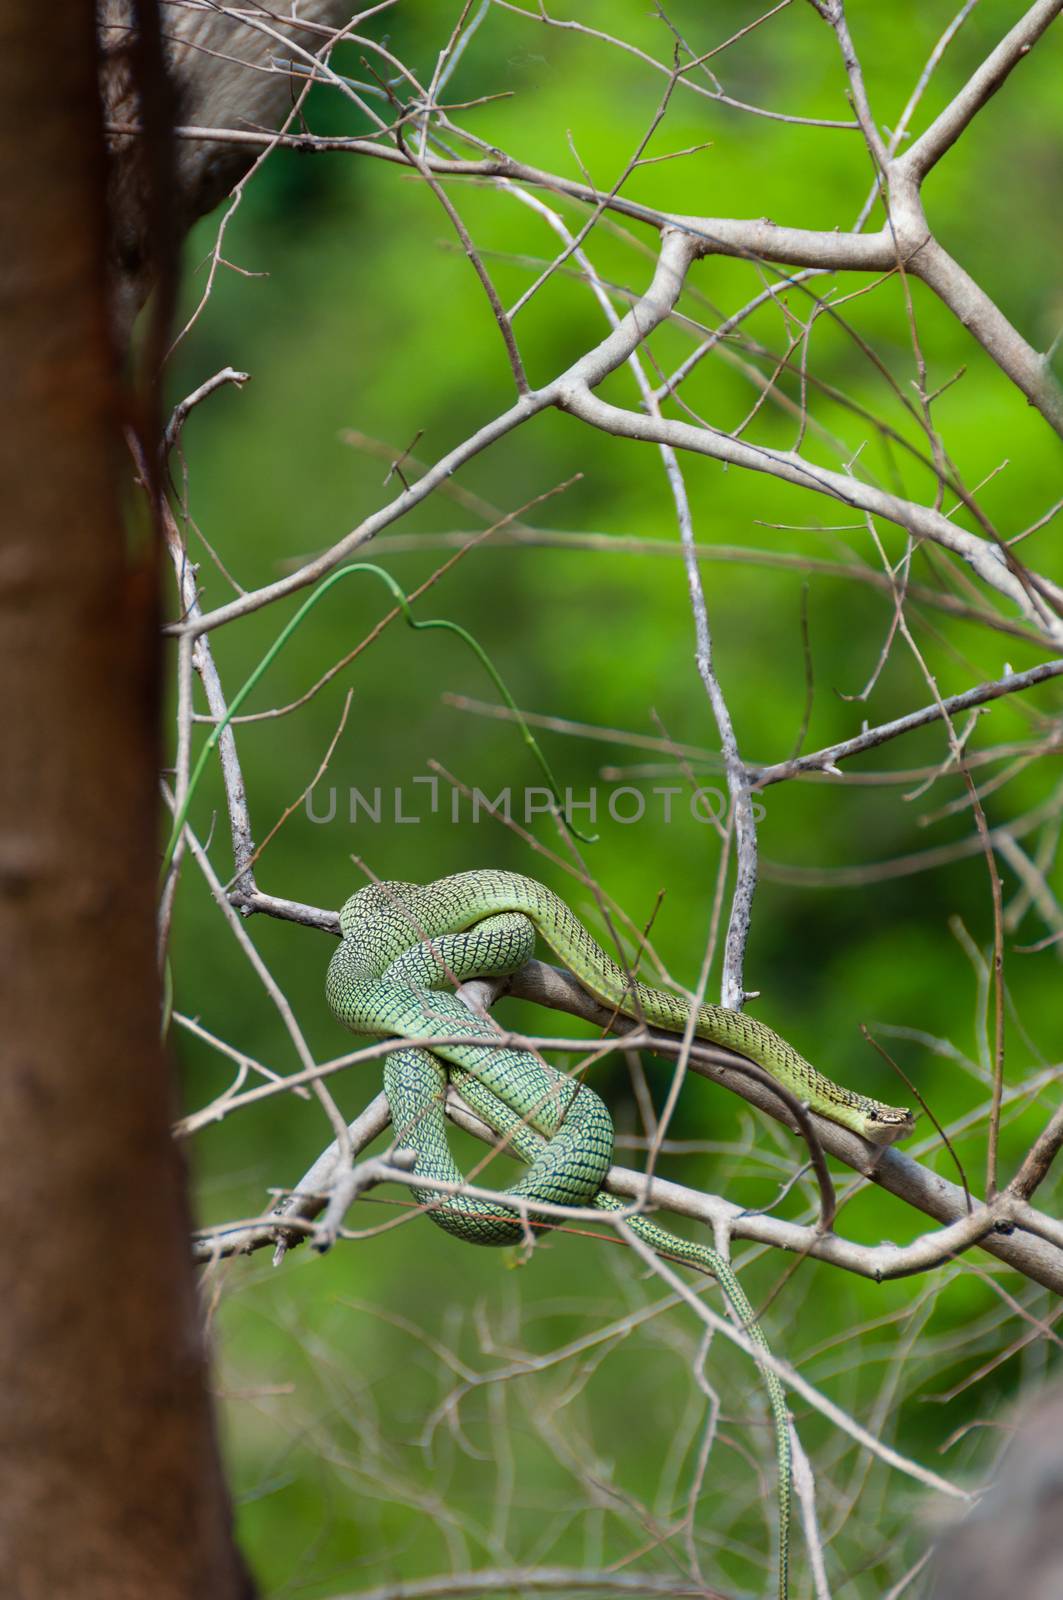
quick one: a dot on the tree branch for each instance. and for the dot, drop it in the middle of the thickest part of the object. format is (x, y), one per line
(979, 88)
(921, 521)
(1037, 1252)
(824, 760)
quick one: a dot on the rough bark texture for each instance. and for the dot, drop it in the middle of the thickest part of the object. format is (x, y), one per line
(113, 1485)
(221, 68)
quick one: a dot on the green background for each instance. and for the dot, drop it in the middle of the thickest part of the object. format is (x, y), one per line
(362, 314)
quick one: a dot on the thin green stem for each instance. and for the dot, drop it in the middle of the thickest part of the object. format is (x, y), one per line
(281, 640)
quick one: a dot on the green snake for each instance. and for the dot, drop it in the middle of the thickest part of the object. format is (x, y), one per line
(405, 945)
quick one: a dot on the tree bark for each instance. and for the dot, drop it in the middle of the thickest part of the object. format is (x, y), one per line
(114, 1486)
(1010, 1544)
(223, 70)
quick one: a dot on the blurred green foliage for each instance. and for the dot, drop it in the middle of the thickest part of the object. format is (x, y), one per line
(354, 309)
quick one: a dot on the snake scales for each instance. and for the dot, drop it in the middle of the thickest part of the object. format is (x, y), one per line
(405, 945)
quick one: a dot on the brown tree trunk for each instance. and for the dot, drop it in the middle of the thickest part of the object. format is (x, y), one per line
(112, 1484)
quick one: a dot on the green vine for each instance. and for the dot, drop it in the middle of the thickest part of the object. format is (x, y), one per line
(181, 816)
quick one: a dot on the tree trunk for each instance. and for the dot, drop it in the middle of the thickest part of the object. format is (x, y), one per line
(226, 72)
(114, 1486)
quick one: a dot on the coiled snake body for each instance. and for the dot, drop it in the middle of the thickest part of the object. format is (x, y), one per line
(405, 944)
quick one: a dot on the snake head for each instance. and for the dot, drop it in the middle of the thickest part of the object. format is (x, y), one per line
(884, 1124)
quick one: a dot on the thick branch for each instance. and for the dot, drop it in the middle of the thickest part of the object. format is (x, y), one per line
(572, 391)
(1035, 1168)
(1036, 1252)
(753, 239)
(292, 1217)
(922, 521)
(980, 87)
(891, 1169)
(1028, 369)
